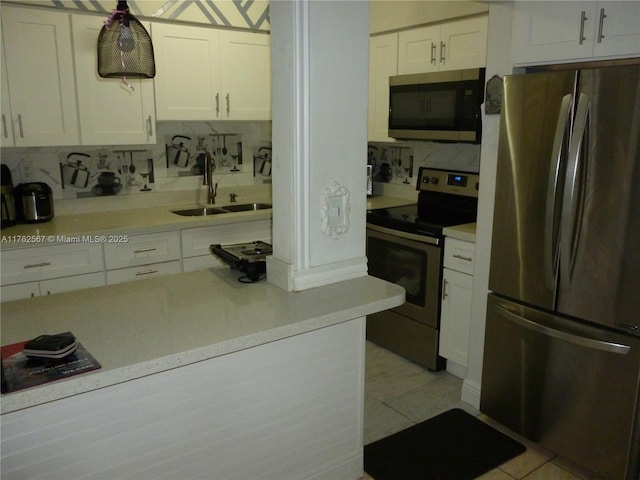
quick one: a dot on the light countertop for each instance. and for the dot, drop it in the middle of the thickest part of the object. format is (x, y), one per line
(385, 201)
(149, 326)
(131, 221)
(466, 232)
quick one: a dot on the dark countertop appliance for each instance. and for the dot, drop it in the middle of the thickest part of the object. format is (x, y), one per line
(248, 258)
(34, 202)
(9, 214)
(405, 246)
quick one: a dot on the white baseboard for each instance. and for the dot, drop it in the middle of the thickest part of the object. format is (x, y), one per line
(471, 393)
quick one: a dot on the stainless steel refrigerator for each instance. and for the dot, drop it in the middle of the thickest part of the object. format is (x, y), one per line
(562, 343)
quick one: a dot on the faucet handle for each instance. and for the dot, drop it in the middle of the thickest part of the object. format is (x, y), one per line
(232, 197)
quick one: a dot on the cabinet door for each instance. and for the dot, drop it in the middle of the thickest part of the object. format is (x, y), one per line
(551, 31)
(187, 83)
(463, 44)
(246, 76)
(618, 29)
(110, 113)
(419, 50)
(383, 63)
(6, 136)
(455, 317)
(42, 84)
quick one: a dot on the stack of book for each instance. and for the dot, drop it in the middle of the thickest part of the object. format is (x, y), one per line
(44, 359)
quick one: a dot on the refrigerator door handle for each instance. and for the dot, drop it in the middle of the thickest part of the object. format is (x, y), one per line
(555, 178)
(572, 196)
(591, 343)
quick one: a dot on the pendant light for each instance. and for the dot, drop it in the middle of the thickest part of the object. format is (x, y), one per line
(124, 47)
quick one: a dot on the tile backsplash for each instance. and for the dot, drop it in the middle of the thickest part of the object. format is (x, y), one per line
(396, 164)
(73, 173)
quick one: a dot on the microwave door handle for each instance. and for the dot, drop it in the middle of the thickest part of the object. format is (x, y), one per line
(571, 211)
(550, 235)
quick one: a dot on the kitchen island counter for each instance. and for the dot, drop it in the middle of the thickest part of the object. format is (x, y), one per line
(149, 326)
(202, 377)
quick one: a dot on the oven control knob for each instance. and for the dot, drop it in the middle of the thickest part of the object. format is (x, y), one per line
(425, 180)
(434, 180)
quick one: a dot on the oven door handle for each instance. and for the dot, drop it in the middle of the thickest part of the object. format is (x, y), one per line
(409, 236)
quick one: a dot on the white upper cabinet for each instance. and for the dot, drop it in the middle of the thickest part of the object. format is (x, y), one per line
(110, 113)
(208, 74)
(548, 31)
(451, 45)
(39, 61)
(245, 69)
(6, 136)
(383, 63)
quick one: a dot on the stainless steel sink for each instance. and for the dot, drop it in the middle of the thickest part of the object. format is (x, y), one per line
(199, 211)
(245, 207)
(204, 211)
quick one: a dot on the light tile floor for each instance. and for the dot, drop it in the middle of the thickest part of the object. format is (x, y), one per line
(399, 393)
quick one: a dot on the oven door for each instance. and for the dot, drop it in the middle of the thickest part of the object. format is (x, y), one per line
(400, 258)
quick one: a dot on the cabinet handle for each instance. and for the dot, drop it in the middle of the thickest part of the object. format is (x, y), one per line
(217, 104)
(150, 126)
(5, 132)
(144, 250)
(466, 259)
(20, 126)
(433, 53)
(228, 105)
(36, 265)
(600, 24)
(147, 272)
(583, 19)
(444, 289)
(442, 55)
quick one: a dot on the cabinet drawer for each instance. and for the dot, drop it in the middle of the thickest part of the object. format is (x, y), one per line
(19, 291)
(51, 261)
(143, 272)
(143, 250)
(67, 284)
(459, 255)
(196, 241)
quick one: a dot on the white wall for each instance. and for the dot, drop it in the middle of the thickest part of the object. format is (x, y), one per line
(498, 63)
(397, 14)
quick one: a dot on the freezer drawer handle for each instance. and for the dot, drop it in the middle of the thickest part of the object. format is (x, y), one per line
(568, 337)
(461, 257)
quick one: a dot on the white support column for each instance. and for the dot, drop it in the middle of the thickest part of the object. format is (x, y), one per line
(320, 72)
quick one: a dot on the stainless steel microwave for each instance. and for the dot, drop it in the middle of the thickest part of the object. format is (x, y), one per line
(441, 106)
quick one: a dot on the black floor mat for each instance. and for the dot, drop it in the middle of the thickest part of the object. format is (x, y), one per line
(451, 446)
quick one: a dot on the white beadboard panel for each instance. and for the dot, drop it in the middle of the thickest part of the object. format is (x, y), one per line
(287, 409)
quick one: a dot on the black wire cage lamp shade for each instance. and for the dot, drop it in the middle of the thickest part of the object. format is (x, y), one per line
(124, 47)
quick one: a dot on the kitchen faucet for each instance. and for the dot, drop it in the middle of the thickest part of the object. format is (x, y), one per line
(207, 179)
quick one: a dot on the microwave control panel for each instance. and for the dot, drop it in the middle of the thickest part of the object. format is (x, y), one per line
(448, 181)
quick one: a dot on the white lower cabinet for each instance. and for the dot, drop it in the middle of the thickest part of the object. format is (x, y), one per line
(143, 272)
(29, 272)
(45, 270)
(455, 313)
(143, 256)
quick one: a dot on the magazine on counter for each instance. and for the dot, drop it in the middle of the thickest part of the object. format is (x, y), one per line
(20, 371)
